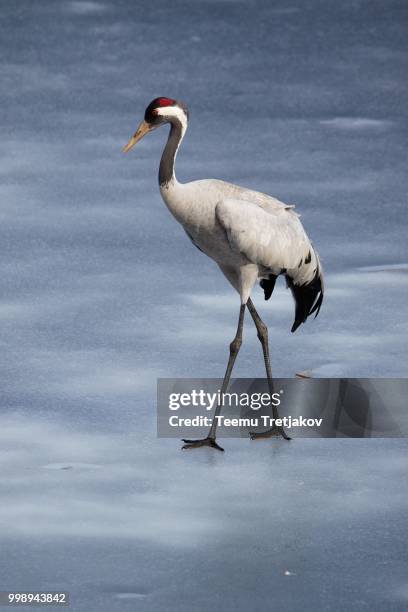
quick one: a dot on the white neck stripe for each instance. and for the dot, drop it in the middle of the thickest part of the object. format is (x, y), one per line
(174, 112)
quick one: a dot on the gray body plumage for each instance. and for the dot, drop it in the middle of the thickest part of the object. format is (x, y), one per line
(250, 235)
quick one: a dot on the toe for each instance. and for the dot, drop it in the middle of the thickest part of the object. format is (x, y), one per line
(217, 446)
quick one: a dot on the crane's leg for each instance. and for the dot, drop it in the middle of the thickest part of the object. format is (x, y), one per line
(263, 337)
(234, 349)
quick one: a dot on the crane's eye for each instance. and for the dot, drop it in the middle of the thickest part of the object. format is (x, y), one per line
(153, 116)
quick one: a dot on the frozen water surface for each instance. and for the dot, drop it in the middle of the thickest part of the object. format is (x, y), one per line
(102, 293)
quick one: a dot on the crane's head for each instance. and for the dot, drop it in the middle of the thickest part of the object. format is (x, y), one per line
(159, 112)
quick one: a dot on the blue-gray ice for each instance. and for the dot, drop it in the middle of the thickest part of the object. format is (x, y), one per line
(101, 293)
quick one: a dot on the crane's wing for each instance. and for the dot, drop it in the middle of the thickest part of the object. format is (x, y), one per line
(275, 240)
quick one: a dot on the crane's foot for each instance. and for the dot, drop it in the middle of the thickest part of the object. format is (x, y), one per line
(204, 442)
(269, 433)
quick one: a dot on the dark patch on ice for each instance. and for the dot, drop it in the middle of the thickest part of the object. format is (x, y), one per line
(71, 466)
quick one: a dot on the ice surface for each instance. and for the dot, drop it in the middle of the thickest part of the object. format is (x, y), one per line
(102, 293)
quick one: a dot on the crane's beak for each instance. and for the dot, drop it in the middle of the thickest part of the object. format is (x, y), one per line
(141, 131)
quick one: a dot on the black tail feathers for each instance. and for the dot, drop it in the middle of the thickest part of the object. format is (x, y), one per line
(308, 298)
(268, 285)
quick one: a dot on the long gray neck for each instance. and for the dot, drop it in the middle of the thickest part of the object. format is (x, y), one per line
(168, 158)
